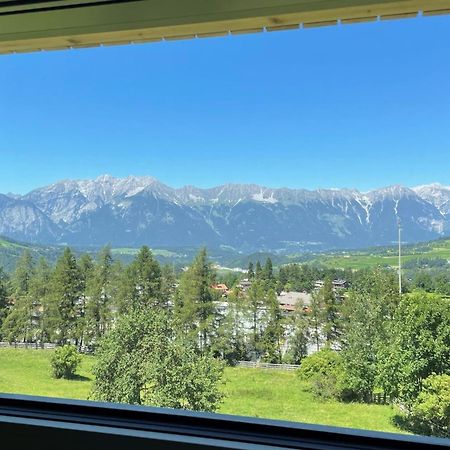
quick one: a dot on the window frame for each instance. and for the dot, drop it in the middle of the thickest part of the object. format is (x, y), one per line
(48, 423)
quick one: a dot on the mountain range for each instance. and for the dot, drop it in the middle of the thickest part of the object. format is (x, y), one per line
(132, 211)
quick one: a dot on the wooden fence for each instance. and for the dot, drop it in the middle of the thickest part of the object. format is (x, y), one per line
(31, 345)
(260, 365)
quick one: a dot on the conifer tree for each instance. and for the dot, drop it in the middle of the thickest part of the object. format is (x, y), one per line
(194, 307)
(99, 293)
(23, 274)
(300, 335)
(274, 331)
(258, 271)
(168, 283)
(21, 323)
(66, 293)
(229, 344)
(141, 282)
(316, 319)
(39, 291)
(250, 271)
(4, 294)
(255, 303)
(331, 329)
(268, 270)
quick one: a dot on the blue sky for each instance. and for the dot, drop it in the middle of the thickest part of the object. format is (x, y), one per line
(357, 106)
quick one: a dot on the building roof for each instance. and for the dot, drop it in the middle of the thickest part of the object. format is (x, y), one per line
(33, 25)
(292, 298)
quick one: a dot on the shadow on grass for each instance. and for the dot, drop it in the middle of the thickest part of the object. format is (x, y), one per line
(77, 377)
(407, 424)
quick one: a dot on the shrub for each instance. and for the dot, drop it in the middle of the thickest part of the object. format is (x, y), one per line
(430, 413)
(142, 361)
(65, 361)
(325, 372)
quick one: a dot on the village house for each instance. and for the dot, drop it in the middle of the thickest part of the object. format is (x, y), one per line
(289, 300)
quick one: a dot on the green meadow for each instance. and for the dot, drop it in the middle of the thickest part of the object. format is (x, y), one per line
(249, 392)
(386, 257)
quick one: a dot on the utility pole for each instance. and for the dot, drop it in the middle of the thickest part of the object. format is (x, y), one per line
(399, 258)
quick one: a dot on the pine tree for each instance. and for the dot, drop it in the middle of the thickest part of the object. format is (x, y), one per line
(4, 297)
(299, 334)
(99, 293)
(255, 304)
(331, 329)
(168, 283)
(39, 290)
(274, 330)
(258, 271)
(229, 344)
(194, 307)
(316, 319)
(268, 270)
(66, 293)
(250, 271)
(141, 282)
(86, 266)
(283, 277)
(21, 322)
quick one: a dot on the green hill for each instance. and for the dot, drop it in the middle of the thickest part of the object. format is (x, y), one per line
(414, 255)
(426, 253)
(11, 250)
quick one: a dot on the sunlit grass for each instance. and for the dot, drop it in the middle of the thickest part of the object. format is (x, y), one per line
(281, 395)
(249, 392)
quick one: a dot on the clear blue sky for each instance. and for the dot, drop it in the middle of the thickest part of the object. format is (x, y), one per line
(351, 106)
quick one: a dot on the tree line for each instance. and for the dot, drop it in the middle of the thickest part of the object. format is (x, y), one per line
(181, 330)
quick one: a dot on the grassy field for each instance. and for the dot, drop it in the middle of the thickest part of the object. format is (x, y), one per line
(249, 392)
(389, 257)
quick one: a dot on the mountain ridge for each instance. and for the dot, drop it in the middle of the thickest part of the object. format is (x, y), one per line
(135, 210)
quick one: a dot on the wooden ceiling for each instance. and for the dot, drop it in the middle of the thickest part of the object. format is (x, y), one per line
(33, 25)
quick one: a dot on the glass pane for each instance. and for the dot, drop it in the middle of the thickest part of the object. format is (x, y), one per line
(254, 225)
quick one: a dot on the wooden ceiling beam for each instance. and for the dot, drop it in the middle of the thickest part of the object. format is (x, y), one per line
(57, 24)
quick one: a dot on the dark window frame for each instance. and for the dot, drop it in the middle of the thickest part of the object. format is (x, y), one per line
(50, 423)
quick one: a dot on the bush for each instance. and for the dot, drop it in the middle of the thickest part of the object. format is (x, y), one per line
(142, 361)
(65, 361)
(430, 413)
(325, 372)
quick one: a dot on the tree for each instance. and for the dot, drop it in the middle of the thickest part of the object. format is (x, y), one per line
(143, 361)
(229, 343)
(362, 336)
(283, 278)
(65, 361)
(258, 271)
(21, 322)
(316, 319)
(18, 325)
(99, 294)
(272, 338)
(255, 302)
(299, 334)
(194, 307)
(168, 284)
(430, 412)
(418, 345)
(39, 291)
(325, 373)
(365, 315)
(66, 290)
(423, 281)
(250, 271)
(141, 282)
(4, 295)
(268, 270)
(331, 327)
(22, 275)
